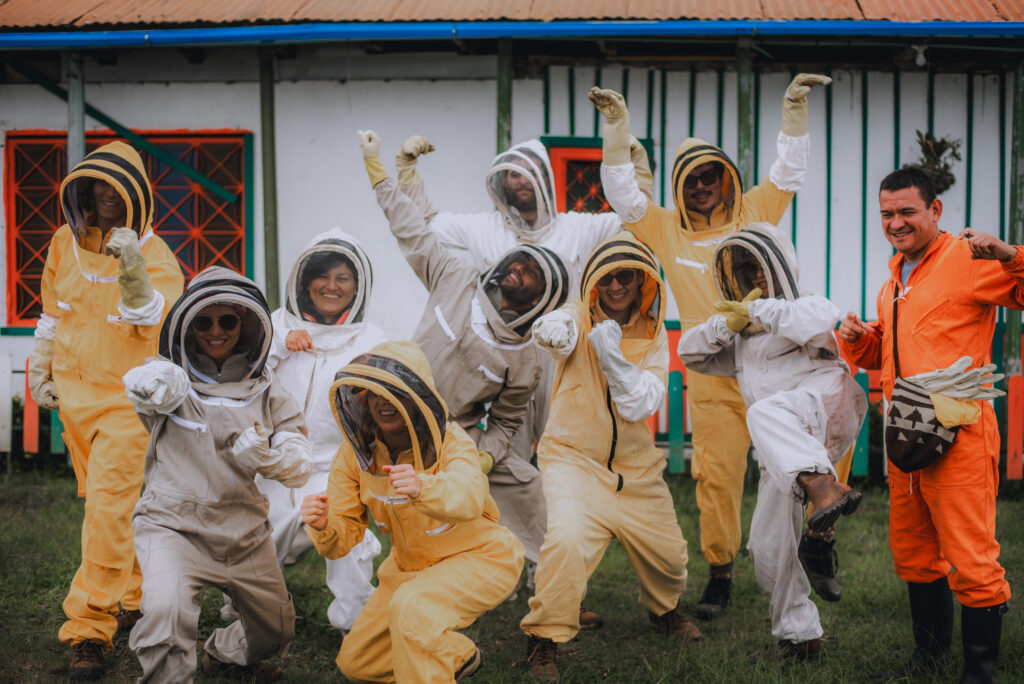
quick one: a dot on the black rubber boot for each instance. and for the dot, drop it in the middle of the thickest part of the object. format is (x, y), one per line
(981, 629)
(931, 609)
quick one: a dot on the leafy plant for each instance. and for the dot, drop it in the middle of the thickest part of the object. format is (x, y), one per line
(937, 157)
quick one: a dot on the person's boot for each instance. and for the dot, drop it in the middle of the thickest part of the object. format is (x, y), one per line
(980, 629)
(257, 672)
(673, 622)
(786, 650)
(470, 667)
(86, 660)
(829, 498)
(819, 560)
(931, 609)
(541, 659)
(126, 619)
(589, 619)
(716, 594)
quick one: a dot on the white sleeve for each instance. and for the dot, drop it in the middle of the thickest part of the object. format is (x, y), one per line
(291, 464)
(790, 168)
(644, 400)
(148, 314)
(807, 320)
(708, 348)
(46, 327)
(623, 193)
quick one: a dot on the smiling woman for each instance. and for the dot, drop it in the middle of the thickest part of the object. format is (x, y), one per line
(327, 288)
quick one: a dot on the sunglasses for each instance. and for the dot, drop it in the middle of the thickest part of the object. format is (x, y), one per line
(624, 276)
(708, 178)
(227, 322)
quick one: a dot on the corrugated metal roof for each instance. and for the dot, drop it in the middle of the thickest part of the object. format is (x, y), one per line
(114, 13)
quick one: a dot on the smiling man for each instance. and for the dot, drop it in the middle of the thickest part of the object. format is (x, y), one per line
(938, 306)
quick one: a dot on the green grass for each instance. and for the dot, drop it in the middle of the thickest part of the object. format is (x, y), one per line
(868, 630)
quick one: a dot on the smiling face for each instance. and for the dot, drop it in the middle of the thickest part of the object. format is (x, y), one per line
(390, 421)
(617, 299)
(111, 211)
(216, 342)
(908, 223)
(522, 284)
(333, 291)
(700, 193)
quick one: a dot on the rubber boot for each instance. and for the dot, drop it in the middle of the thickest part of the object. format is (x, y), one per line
(931, 609)
(981, 629)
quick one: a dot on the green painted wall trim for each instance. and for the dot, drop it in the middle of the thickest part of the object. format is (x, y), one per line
(795, 206)
(896, 119)
(863, 193)
(1002, 157)
(693, 102)
(572, 101)
(550, 141)
(672, 325)
(721, 107)
(757, 126)
(970, 148)
(547, 99)
(931, 101)
(597, 114)
(250, 203)
(650, 102)
(10, 331)
(1015, 232)
(828, 191)
(625, 85)
(662, 128)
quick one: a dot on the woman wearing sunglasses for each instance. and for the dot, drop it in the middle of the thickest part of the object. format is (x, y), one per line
(321, 328)
(217, 418)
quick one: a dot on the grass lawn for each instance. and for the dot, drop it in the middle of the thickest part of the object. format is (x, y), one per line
(868, 630)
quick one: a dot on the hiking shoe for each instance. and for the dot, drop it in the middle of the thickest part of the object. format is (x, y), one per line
(789, 651)
(589, 619)
(673, 622)
(820, 562)
(470, 667)
(126, 619)
(541, 655)
(257, 672)
(86, 660)
(829, 498)
(715, 598)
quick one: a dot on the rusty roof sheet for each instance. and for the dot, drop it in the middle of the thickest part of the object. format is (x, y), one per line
(84, 14)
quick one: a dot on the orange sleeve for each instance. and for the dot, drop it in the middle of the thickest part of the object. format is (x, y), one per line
(1000, 282)
(867, 351)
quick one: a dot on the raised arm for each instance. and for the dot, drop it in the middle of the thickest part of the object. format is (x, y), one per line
(807, 320)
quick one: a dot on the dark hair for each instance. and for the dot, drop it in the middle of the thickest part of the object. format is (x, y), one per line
(318, 264)
(910, 177)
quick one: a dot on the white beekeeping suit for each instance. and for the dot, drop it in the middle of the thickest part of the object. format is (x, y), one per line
(803, 407)
(307, 375)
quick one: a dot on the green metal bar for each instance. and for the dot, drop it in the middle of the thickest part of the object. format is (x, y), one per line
(863, 192)
(268, 149)
(650, 101)
(896, 118)
(721, 106)
(76, 110)
(859, 467)
(597, 114)
(56, 433)
(129, 135)
(572, 101)
(970, 147)
(1011, 357)
(1002, 156)
(745, 112)
(795, 206)
(663, 124)
(250, 183)
(625, 85)
(693, 101)
(676, 426)
(504, 140)
(828, 191)
(547, 99)
(931, 101)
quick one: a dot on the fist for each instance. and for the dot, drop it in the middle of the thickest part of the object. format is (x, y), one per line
(252, 448)
(404, 479)
(298, 340)
(556, 331)
(604, 336)
(986, 246)
(802, 84)
(314, 511)
(123, 241)
(852, 328)
(369, 143)
(414, 146)
(610, 103)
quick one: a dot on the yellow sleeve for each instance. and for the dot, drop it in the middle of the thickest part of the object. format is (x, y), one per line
(764, 202)
(657, 359)
(46, 282)
(346, 515)
(457, 491)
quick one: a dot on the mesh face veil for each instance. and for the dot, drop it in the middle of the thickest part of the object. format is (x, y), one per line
(530, 161)
(755, 257)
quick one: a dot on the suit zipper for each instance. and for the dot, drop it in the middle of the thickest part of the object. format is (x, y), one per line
(615, 437)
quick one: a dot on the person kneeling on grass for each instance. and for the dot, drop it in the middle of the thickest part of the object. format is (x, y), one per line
(418, 474)
(600, 469)
(803, 412)
(216, 417)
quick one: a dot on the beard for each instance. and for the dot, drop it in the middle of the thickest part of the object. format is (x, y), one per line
(523, 204)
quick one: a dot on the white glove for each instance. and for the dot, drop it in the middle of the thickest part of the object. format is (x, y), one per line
(556, 332)
(794, 104)
(289, 461)
(369, 143)
(157, 386)
(40, 375)
(136, 289)
(957, 382)
(405, 161)
(252, 448)
(605, 338)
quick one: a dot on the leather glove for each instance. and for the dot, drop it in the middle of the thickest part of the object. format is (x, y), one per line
(252, 448)
(737, 314)
(40, 375)
(136, 288)
(957, 382)
(641, 168)
(486, 461)
(405, 161)
(369, 143)
(794, 104)
(158, 386)
(556, 332)
(615, 131)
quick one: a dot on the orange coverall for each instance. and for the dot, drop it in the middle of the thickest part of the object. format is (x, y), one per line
(943, 517)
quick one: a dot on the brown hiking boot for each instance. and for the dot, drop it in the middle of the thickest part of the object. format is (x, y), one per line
(126, 619)
(786, 650)
(257, 672)
(673, 622)
(86, 660)
(589, 619)
(470, 667)
(829, 498)
(541, 655)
